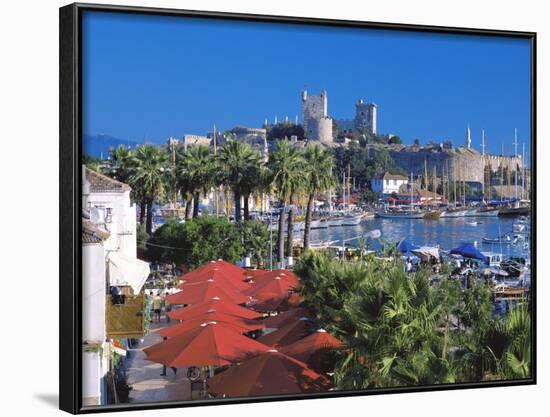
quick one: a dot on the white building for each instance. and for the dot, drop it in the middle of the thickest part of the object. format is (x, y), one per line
(388, 183)
(108, 259)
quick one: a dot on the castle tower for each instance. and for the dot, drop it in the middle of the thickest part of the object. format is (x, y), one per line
(365, 116)
(317, 125)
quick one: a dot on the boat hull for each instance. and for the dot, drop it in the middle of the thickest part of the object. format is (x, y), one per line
(351, 221)
(514, 211)
(409, 216)
(487, 213)
(460, 213)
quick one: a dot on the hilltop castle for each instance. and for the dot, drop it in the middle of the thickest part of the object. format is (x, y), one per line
(319, 126)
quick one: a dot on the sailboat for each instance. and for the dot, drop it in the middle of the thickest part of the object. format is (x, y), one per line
(402, 214)
(350, 219)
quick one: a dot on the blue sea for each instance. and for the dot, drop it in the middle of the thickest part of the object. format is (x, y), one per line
(447, 233)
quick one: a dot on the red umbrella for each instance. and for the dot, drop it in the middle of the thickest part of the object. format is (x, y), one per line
(269, 287)
(220, 265)
(287, 334)
(276, 302)
(216, 275)
(266, 277)
(212, 305)
(251, 273)
(285, 317)
(209, 344)
(277, 285)
(310, 347)
(202, 291)
(236, 323)
(269, 373)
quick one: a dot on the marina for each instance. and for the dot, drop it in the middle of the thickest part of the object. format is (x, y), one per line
(446, 233)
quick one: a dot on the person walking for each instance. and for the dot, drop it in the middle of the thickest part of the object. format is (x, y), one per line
(157, 307)
(173, 368)
(167, 305)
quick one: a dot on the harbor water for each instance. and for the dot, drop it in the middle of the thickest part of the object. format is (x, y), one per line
(447, 233)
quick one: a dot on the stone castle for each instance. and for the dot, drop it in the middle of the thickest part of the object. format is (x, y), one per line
(319, 126)
(462, 163)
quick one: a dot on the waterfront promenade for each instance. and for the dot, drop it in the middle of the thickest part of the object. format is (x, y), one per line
(144, 376)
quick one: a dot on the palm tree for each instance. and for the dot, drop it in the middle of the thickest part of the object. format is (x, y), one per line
(184, 184)
(121, 163)
(148, 176)
(319, 178)
(241, 171)
(196, 172)
(286, 166)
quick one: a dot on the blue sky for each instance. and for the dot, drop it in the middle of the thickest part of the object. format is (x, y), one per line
(159, 76)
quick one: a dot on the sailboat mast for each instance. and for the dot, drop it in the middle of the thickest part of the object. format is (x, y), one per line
(411, 206)
(454, 180)
(434, 177)
(344, 190)
(348, 184)
(516, 164)
(523, 172)
(502, 171)
(483, 158)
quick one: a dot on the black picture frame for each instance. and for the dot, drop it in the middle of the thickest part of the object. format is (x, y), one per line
(70, 181)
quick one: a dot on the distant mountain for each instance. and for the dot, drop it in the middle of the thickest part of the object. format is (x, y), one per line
(96, 145)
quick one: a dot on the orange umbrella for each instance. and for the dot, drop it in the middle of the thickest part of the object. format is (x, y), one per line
(285, 317)
(236, 323)
(287, 334)
(310, 349)
(214, 304)
(216, 275)
(209, 344)
(270, 373)
(202, 291)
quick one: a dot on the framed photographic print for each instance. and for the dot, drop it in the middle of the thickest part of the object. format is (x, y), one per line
(259, 208)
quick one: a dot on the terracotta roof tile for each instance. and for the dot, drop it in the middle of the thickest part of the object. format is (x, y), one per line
(100, 183)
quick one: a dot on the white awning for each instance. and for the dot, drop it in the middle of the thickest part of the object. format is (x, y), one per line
(125, 270)
(426, 252)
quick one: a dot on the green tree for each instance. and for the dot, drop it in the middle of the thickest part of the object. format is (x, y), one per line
(255, 240)
(399, 329)
(196, 242)
(284, 130)
(395, 140)
(318, 178)
(91, 162)
(148, 176)
(286, 166)
(241, 171)
(121, 163)
(197, 173)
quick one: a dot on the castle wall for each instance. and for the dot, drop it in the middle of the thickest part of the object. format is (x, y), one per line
(460, 163)
(497, 161)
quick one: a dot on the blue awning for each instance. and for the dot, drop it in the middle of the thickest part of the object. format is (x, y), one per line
(406, 246)
(468, 250)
